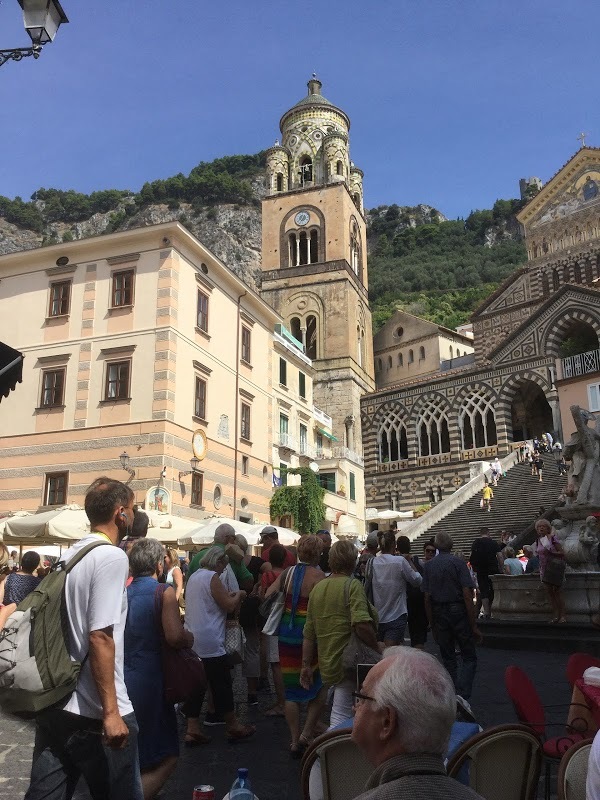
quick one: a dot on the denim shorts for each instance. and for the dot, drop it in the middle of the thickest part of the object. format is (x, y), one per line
(392, 631)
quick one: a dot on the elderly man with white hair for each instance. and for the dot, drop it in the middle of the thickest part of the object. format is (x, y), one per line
(403, 719)
(224, 537)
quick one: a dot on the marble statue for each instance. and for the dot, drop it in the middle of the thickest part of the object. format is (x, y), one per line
(583, 451)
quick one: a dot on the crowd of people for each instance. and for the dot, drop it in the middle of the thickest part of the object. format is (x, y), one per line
(128, 602)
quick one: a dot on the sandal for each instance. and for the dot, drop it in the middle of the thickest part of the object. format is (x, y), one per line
(195, 739)
(244, 732)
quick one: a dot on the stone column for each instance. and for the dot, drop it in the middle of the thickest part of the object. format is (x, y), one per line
(349, 423)
(556, 418)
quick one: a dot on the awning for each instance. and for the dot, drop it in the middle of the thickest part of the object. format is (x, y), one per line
(11, 369)
(327, 435)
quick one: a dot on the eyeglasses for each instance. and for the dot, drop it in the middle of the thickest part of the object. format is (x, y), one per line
(357, 697)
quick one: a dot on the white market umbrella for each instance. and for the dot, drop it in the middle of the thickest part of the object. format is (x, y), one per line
(286, 536)
(168, 528)
(388, 514)
(205, 534)
(12, 515)
(65, 524)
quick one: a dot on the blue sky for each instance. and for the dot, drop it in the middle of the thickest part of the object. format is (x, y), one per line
(451, 101)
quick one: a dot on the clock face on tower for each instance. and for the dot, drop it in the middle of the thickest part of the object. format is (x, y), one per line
(302, 218)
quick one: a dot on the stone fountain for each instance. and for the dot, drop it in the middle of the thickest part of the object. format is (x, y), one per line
(523, 598)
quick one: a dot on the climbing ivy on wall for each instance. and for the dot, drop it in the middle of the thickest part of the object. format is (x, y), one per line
(304, 503)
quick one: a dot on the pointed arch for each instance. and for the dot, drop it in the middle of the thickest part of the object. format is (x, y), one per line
(477, 417)
(392, 437)
(554, 331)
(432, 426)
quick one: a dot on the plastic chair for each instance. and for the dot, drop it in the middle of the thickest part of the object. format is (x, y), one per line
(530, 711)
(344, 770)
(504, 762)
(572, 773)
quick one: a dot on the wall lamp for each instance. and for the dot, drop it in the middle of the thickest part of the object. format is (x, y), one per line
(194, 466)
(42, 19)
(124, 459)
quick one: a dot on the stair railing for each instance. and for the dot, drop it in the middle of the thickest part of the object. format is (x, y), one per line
(455, 500)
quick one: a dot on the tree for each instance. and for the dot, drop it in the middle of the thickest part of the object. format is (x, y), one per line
(304, 503)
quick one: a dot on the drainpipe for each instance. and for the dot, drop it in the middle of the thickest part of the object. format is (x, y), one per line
(237, 403)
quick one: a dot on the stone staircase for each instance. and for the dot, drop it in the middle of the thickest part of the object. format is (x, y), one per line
(516, 505)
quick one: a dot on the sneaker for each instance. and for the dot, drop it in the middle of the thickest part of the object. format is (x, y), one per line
(212, 718)
(252, 700)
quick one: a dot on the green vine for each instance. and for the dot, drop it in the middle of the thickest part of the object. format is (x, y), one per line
(304, 503)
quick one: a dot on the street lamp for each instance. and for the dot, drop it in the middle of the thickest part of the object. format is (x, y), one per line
(194, 466)
(124, 459)
(42, 19)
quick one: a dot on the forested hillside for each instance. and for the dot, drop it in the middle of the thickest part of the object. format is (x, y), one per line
(418, 260)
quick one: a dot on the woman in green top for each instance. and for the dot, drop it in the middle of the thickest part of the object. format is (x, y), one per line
(333, 612)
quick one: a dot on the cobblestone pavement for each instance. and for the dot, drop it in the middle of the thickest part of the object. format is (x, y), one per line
(275, 776)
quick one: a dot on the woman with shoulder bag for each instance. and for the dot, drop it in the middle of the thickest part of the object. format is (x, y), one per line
(299, 583)
(207, 604)
(339, 615)
(158, 739)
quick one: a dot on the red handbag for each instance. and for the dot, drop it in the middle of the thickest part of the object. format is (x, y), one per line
(183, 671)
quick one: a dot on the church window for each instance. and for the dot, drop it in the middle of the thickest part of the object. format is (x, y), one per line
(477, 420)
(421, 353)
(306, 171)
(293, 245)
(314, 247)
(433, 434)
(389, 362)
(411, 356)
(457, 353)
(296, 330)
(400, 360)
(379, 365)
(279, 180)
(340, 168)
(555, 280)
(566, 275)
(311, 337)
(356, 198)
(577, 272)
(360, 336)
(588, 271)
(355, 251)
(391, 438)
(303, 248)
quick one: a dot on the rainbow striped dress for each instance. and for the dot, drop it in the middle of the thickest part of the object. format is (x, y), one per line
(290, 643)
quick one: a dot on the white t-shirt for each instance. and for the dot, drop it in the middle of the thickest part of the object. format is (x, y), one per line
(96, 599)
(203, 616)
(592, 787)
(390, 574)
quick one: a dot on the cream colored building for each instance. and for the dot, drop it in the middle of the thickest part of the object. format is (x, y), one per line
(409, 347)
(142, 343)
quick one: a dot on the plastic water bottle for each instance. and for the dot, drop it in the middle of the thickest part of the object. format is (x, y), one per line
(241, 789)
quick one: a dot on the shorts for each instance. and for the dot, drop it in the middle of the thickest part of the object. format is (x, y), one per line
(486, 589)
(392, 631)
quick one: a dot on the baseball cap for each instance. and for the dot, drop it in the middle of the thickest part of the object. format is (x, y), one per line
(372, 540)
(269, 531)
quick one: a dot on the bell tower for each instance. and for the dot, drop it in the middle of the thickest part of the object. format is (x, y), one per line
(314, 256)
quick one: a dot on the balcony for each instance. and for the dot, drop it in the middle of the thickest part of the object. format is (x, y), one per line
(321, 417)
(581, 364)
(286, 441)
(340, 452)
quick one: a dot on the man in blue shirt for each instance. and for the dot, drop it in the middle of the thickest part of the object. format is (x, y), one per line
(448, 589)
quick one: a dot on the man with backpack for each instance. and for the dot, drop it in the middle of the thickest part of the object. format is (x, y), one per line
(93, 733)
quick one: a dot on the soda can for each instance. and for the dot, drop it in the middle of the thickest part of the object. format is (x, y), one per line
(204, 792)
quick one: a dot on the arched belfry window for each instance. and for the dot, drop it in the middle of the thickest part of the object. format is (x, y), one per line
(477, 420)
(391, 438)
(355, 251)
(340, 168)
(306, 170)
(311, 337)
(296, 329)
(279, 181)
(303, 247)
(432, 430)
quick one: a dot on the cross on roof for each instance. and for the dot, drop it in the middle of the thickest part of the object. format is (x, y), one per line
(582, 137)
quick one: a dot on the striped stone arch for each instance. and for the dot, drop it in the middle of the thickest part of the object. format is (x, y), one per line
(394, 406)
(553, 332)
(390, 432)
(507, 393)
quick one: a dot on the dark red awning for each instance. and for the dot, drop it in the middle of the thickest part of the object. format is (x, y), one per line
(11, 369)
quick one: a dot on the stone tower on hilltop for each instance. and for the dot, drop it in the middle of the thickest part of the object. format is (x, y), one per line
(314, 257)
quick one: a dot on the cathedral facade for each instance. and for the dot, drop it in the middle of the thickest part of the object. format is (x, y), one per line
(537, 332)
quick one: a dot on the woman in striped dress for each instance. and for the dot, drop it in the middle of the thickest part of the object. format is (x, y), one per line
(299, 582)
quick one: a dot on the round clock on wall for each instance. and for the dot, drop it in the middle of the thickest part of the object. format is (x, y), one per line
(302, 218)
(199, 444)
